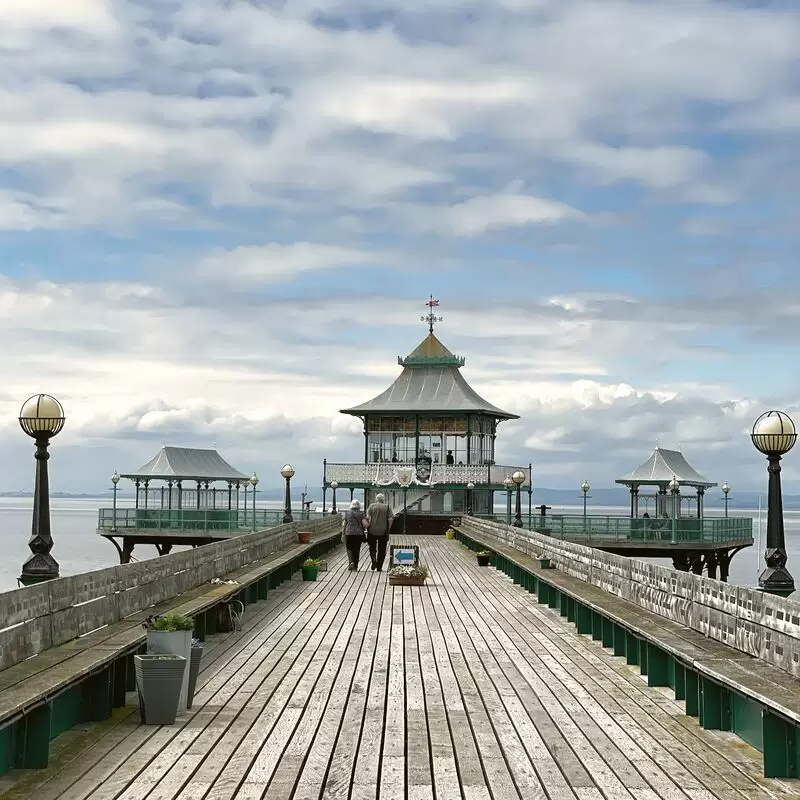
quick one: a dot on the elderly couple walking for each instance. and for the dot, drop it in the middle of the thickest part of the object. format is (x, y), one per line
(375, 522)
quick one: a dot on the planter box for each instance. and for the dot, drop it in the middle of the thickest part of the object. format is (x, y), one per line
(483, 561)
(158, 683)
(398, 581)
(544, 563)
(309, 573)
(303, 537)
(194, 671)
(178, 643)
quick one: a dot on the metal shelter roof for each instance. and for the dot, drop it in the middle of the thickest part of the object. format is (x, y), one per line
(430, 382)
(187, 463)
(660, 469)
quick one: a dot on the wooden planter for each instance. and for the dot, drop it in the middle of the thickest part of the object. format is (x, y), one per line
(483, 561)
(303, 537)
(410, 581)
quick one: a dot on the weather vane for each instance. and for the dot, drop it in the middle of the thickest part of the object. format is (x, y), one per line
(430, 317)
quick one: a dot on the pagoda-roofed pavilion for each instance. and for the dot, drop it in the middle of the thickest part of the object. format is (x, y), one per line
(658, 471)
(430, 420)
(179, 500)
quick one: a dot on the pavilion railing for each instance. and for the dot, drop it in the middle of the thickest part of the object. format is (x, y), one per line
(191, 519)
(598, 530)
(385, 474)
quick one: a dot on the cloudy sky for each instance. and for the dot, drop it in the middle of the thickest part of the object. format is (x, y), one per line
(219, 222)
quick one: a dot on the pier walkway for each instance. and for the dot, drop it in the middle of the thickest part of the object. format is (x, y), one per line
(466, 688)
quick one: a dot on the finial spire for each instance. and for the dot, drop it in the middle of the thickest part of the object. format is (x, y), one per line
(430, 317)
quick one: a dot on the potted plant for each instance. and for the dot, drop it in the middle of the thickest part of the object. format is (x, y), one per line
(407, 575)
(158, 684)
(172, 634)
(303, 537)
(451, 534)
(483, 557)
(194, 669)
(310, 568)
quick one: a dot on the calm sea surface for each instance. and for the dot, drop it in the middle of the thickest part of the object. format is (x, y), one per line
(78, 548)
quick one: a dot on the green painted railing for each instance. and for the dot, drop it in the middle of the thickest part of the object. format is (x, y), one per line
(598, 530)
(191, 519)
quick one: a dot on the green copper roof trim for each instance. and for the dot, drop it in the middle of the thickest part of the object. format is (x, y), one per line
(431, 361)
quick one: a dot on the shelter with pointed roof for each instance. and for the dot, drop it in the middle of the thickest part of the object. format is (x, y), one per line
(432, 420)
(173, 467)
(659, 470)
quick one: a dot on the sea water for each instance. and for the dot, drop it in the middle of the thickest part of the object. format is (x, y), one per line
(79, 548)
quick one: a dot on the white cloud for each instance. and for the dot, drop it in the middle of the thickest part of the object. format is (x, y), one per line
(480, 214)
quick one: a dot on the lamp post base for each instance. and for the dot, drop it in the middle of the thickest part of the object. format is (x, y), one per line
(777, 581)
(40, 567)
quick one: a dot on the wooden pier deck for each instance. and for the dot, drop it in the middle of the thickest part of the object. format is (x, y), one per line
(465, 689)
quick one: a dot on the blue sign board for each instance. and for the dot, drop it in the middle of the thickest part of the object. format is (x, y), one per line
(404, 555)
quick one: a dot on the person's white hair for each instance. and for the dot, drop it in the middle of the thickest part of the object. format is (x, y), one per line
(380, 498)
(354, 505)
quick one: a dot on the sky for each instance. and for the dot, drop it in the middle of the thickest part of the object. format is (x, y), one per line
(220, 220)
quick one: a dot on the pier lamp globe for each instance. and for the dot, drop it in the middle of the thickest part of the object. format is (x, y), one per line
(42, 418)
(774, 434)
(254, 483)
(519, 478)
(334, 486)
(287, 473)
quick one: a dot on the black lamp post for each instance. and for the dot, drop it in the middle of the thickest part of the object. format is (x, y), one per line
(519, 478)
(470, 487)
(288, 473)
(334, 486)
(509, 484)
(254, 483)
(404, 476)
(726, 491)
(585, 489)
(674, 487)
(114, 481)
(774, 435)
(41, 417)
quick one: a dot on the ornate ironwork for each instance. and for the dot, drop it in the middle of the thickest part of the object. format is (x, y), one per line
(430, 317)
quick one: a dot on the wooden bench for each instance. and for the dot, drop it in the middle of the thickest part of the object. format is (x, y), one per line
(84, 679)
(725, 688)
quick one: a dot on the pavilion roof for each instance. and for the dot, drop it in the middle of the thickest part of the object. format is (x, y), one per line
(431, 381)
(660, 468)
(187, 463)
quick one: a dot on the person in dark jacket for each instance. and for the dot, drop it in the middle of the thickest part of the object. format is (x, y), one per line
(379, 521)
(353, 532)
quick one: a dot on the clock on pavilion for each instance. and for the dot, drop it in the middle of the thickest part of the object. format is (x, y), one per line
(431, 431)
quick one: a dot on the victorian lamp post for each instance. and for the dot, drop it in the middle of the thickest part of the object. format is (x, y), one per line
(519, 478)
(404, 475)
(585, 489)
(334, 486)
(674, 487)
(726, 491)
(254, 483)
(774, 435)
(41, 417)
(470, 487)
(509, 484)
(115, 481)
(288, 473)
